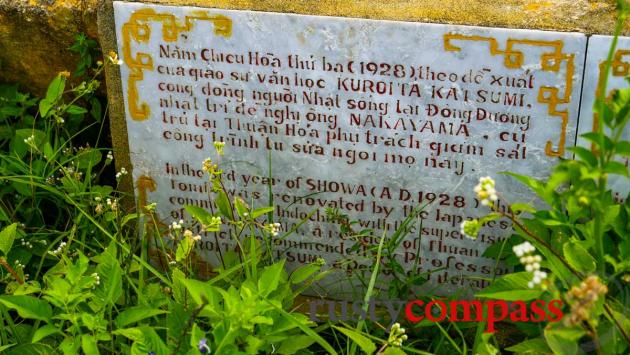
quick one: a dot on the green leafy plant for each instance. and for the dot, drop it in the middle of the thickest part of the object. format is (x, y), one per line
(583, 238)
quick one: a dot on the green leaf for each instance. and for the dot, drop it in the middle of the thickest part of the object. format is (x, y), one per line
(394, 351)
(96, 110)
(145, 339)
(578, 257)
(610, 214)
(261, 211)
(593, 137)
(184, 248)
(484, 347)
(27, 288)
(363, 342)
(88, 158)
(303, 272)
(295, 343)
(196, 335)
(615, 167)
(585, 154)
(18, 145)
(30, 349)
(45, 331)
(198, 213)
(110, 273)
(53, 94)
(530, 346)
(522, 207)
(56, 87)
(44, 107)
(253, 344)
(179, 291)
(563, 340)
(203, 292)
(241, 207)
(28, 307)
(48, 151)
(511, 287)
(75, 110)
(304, 327)
(88, 344)
(623, 148)
(5, 347)
(6, 238)
(270, 278)
(223, 203)
(551, 222)
(136, 314)
(536, 186)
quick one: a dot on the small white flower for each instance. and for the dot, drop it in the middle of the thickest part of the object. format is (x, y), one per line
(121, 173)
(536, 266)
(273, 228)
(536, 280)
(30, 139)
(486, 192)
(176, 226)
(59, 249)
(531, 262)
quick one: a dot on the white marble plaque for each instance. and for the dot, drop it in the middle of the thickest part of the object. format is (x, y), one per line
(371, 117)
(598, 47)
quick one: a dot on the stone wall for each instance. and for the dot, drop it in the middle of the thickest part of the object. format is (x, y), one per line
(35, 34)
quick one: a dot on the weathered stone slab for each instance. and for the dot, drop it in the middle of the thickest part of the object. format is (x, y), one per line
(371, 117)
(598, 48)
(35, 34)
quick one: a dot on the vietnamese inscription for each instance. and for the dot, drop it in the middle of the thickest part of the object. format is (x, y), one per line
(373, 118)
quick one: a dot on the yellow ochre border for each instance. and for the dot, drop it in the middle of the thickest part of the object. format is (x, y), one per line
(138, 28)
(619, 68)
(550, 61)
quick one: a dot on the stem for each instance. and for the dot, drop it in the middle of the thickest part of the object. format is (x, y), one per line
(544, 243)
(603, 158)
(15, 275)
(189, 325)
(621, 330)
(3, 334)
(382, 349)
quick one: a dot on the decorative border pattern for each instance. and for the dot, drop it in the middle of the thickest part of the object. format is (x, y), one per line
(550, 61)
(139, 29)
(619, 68)
(143, 184)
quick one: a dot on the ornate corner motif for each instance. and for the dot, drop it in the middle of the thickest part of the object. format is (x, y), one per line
(550, 61)
(145, 183)
(138, 29)
(619, 68)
